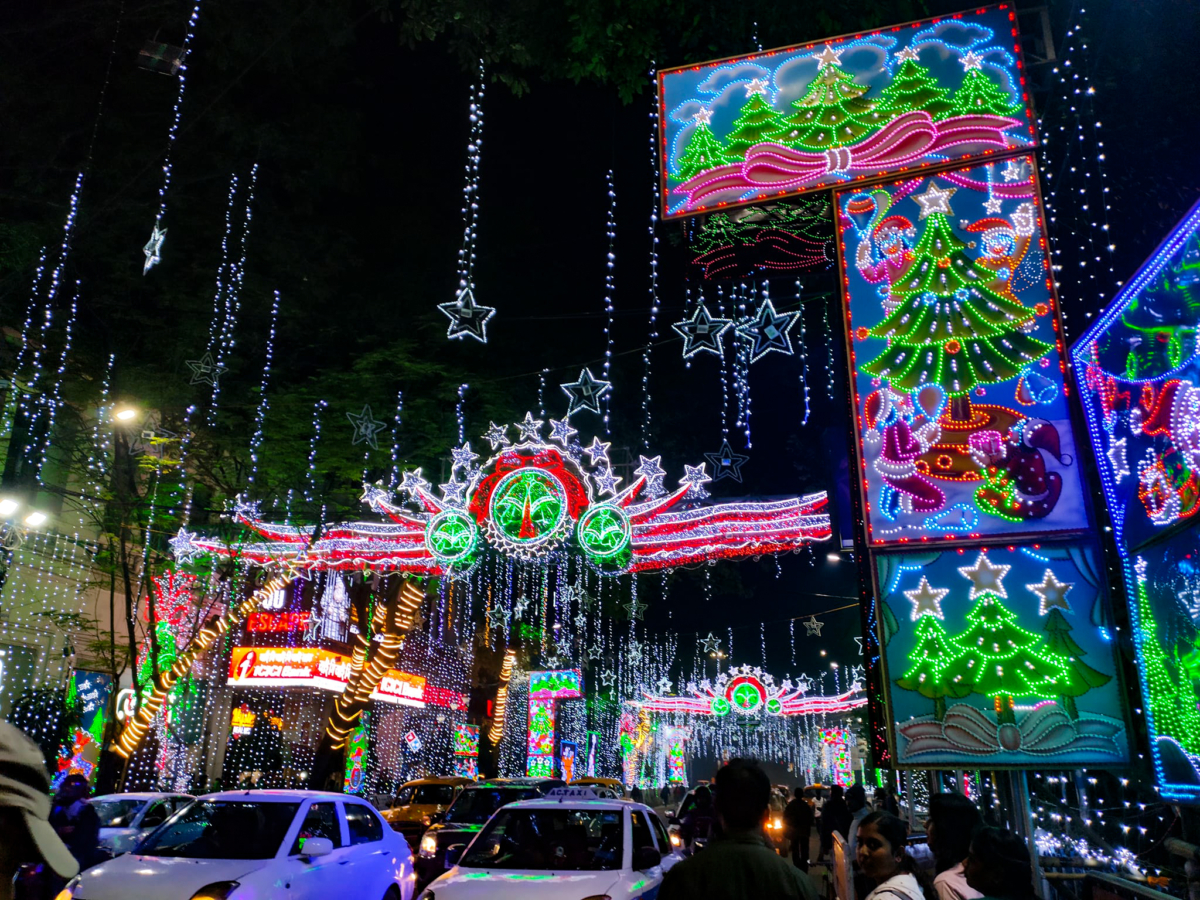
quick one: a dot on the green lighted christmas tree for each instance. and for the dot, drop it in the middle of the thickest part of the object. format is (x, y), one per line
(913, 88)
(757, 123)
(1172, 705)
(703, 152)
(949, 327)
(933, 651)
(979, 94)
(1081, 677)
(1002, 660)
(832, 113)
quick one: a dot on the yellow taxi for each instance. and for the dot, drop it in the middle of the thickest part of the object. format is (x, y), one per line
(602, 786)
(416, 805)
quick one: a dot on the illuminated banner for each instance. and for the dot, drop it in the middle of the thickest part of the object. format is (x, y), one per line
(539, 762)
(1140, 384)
(957, 358)
(1000, 657)
(796, 119)
(558, 684)
(466, 739)
(315, 667)
(277, 621)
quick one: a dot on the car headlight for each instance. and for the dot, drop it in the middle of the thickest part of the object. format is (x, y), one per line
(676, 840)
(69, 891)
(218, 890)
(428, 845)
(426, 895)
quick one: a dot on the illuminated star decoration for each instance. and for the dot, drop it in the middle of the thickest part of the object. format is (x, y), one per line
(581, 621)
(153, 248)
(497, 617)
(768, 331)
(702, 332)
(756, 86)
(711, 644)
(606, 481)
(812, 626)
(530, 429)
(934, 200)
(366, 428)
(653, 473)
(829, 57)
(206, 370)
(635, 608)
(857, 674)
(906, 54)
(635, 652)
(663, 685)
(993, 205)
(561, 431)
(1053, 593)
(373, 494)
(704, 117)
(971, 60)
(413, 483)
(695, 478)
(858, 640)
(1013, 170)
(607, 678)
(496, 435)
(926, 600)
(182, 547)
(726, 463)
(985, 577)
(595, 651)
(585, 393)
(519, 606)
(453, 492)
(1118, 459)
(467, 318)
(597, 450)
(463, 457)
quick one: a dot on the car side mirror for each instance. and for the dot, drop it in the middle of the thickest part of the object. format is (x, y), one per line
(436, 817)
(672, 819)
(453, 854)
(646, 858)
(316, 846)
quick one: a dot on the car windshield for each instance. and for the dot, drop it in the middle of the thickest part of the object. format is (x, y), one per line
(475, 806)
(223, 829)
(433, 794)
(117, 812)
(557, 839)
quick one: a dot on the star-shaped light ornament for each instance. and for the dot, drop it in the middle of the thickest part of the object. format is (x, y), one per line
(374, 494)
(206, 370)
(702, 332)
(635, 608)
(607, 678)
(552, 661)
(453, 493)
(497, 435)
(934, 200)
(530, 430)
(635, 652)
(580, 621)
(585, 394)
(463, 457)
(926, 600)
(971, 60)
(153, 248)
(1052, 592)
(597, 450)
(695, 477)
(649, 468)
(828, 57)
(985, 577)
(906, 54)
(520, 606)
(561, 432)
(756, 86)
(726, 463)
(497, 617)
(704, 117)
(813, 627)
(1014, 170)
(606, 481)
(412, 483)
(768, 331)
(467, 318)
(804, 684)
(993, 205)
(858, 640)
(182, 547)
(663, 685)
(246, 509)
(366, 428)
(595, 651)
(711, 644)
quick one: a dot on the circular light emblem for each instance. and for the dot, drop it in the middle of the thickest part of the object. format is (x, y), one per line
(452, 537)
(528, 509)
(604, 532)
(745, 694)
(774, 707)
(720, 706)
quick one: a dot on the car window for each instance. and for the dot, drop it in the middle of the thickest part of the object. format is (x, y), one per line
(405, 796)
(475, 806)
(320, 821)
(641, 830)
(555, 839)
(660, 832)
(363, 825)
(156, 814)
(434, 794)
(223, 829)
(116, 813)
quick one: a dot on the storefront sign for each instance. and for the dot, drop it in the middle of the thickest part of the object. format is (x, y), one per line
(316, 667)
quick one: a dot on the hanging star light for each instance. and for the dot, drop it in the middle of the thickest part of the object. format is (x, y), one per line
(926, 600)
(586, 393)
(635, 608)
(858, 640)
(182, 546)
(497, 617)
(702, 332)
(412, 483)
(529, 429)
(635, 652)
(153, 248)
(595, 651)
(651, 469)
(580, 621)
(768, 331)
(607, 678)
(206, 370)
(1052, 593)
(711, 644)
(813, 627)
(663, 685)
(726, 463)
(496, 435)
(985, 577)
(934, 200)
(561, 431)
(519, 607)
(597, 450)
(467, 318)
(366, 427)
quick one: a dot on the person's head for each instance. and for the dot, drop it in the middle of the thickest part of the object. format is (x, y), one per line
(25, 810)
(703, 797)
(836, 792)
(743, 795)
(73, 787)
(997, 865)
(952, 820)
(799, 793)
(856, 797)
(882, 841)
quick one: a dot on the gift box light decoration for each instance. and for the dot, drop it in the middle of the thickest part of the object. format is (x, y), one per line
(528, 500)
(1000, 656)
(1139, 375)
(791, 120)
(957, 365)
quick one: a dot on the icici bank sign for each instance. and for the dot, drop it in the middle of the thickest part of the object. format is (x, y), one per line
(316, 667)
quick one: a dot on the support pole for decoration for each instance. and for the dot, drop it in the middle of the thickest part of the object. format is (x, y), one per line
(371, 660)
(135, 730)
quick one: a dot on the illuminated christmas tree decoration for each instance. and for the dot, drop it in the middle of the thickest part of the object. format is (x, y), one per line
(799, 119)
(979, 676)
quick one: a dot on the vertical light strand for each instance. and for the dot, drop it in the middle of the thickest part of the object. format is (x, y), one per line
(311, 479)
(260, 414)
(232, 302)
(610, 286)
(803, 358)
(652, 334)
(396, 437)
(458, 413)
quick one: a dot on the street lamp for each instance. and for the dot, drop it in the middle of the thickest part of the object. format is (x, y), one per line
(833, 557)
(35, 518)
(8, 506)
(124, 413)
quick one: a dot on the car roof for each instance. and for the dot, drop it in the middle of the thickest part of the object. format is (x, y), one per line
(278, 796)
(451, 779)
(577, 803)
(139, 795)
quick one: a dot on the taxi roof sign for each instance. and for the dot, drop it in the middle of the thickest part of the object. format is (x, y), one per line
(572, 793)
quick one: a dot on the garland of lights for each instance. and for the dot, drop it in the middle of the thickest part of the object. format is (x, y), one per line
(748, 691)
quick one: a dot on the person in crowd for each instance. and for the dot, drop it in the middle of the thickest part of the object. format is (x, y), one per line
(835, 816)
(881, 849)
(798, 819)
(636, 794)
(738, 864)
(952, 821)
(856, 802)
(26, 837)
(698, 822)
(76, 821)
(998, 865)
(890, 803)
(664, 795)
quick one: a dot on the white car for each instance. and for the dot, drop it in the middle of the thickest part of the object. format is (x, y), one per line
(569, 844)
(260, 845)
(127, 818)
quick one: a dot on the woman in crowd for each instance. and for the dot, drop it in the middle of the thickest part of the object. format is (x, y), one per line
(953, 819)
(883, 858)
(998, 866)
